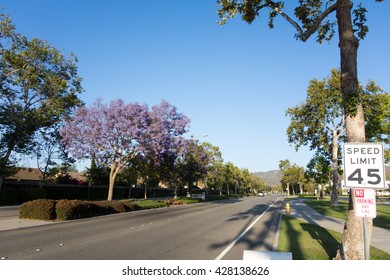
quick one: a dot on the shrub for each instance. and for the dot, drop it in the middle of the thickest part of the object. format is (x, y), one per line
(8, 196)
(112, 207)
(40, 209)
(181, 200)
(74, 209)
(149, 204)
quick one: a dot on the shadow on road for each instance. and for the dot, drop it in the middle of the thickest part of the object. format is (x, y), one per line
(254, 238)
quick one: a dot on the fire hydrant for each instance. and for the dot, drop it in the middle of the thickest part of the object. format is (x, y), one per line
(288, 208)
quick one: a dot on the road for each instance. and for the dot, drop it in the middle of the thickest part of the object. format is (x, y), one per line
(9, 212)
(211, 230)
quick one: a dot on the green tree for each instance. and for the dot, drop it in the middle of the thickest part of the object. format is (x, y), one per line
(97, 174)
(231, 177)
(320, 18)
(320, 122)
(214, 175)
(376, 104)
(319, 170)
(215, 163)
(287, 175)
(50, 153)
(193, 163)
(38, 88)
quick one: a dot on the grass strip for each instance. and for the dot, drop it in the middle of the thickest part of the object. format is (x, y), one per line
(310, 242)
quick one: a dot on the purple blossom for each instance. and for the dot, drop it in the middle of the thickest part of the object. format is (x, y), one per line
(105, 132)
(113, 134)
(108, 133)
(165, 131)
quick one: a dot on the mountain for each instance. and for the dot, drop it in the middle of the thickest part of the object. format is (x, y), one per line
(271, 178)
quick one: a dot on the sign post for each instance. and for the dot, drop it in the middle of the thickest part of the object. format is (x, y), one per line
(364, 171)
(365, 207)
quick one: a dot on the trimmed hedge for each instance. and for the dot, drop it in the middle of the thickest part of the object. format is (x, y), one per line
(112, 207)
(149, 204)
(40, 209)
(74, 209)
(47, 209)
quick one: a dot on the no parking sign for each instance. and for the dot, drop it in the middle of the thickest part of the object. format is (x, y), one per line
(365, 204)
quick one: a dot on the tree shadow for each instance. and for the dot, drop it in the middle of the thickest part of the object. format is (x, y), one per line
(299, 243)
(293, 244)
(253, 238)
(324, 239)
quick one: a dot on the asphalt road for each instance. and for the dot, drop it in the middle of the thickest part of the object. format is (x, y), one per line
(212, 230)
(9, 212)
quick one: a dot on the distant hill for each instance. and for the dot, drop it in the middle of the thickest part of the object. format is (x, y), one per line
(271, 178)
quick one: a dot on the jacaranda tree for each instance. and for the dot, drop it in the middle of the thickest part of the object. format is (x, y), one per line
(163, 142)
(114, 134)
(110, 134)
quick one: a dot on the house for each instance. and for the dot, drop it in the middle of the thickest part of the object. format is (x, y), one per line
(26, 174)
(34, 176)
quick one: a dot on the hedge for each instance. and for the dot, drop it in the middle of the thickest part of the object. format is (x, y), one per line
(74, 209)
(50, 209)
(40, 209)
(47, 209)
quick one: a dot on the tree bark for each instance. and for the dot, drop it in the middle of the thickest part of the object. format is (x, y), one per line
(352, 244)
(335, 170)
(110, 189)
(114, 169)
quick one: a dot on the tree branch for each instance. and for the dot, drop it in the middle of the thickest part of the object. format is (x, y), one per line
(306, 35)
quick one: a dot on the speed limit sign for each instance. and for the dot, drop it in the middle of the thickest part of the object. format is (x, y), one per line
(364, 165)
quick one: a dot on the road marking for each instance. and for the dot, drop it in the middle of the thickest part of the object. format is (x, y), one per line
(228, 248)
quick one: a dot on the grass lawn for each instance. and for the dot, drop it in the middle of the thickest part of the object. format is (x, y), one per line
(311, 242)
(322, 206)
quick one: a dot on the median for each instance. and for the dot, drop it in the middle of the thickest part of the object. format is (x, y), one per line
(62, 210)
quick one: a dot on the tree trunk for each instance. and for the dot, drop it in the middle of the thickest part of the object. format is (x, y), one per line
(110, 189)
(146, 191)
(352, 244)
(334, 201)
(113, 172)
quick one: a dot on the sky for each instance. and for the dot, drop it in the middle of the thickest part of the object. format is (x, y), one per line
(234, 82)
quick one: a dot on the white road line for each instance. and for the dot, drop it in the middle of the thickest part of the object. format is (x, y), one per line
(228, 248)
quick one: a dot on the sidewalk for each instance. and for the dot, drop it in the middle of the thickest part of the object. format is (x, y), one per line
(380, 237)
(9, 219)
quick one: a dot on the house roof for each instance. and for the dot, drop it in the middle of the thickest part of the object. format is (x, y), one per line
(34, 174)
(26, 174)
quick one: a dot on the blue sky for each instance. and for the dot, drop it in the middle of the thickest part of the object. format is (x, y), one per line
(234, 82)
